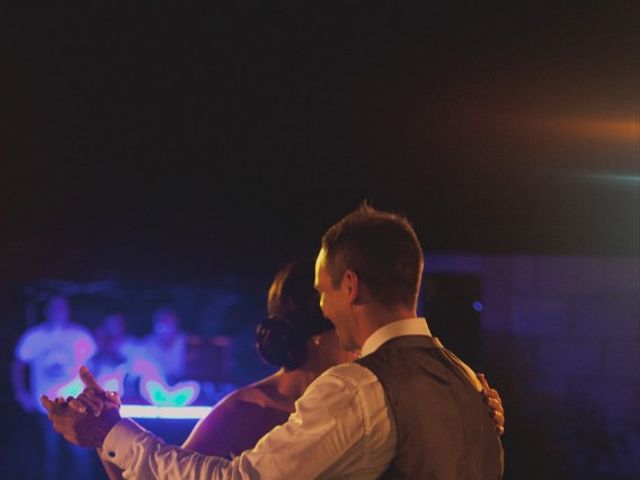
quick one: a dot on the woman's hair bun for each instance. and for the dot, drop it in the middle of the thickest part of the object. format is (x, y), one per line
(294, 316)
(280, 344)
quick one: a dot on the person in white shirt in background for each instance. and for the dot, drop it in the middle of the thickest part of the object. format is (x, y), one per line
(166, 345)
(343, 425)
(52, 352)
(112, 364)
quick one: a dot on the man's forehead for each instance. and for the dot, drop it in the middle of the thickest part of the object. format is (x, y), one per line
(321, 260)
(322, 255)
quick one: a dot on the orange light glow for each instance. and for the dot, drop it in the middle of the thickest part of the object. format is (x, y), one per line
(593, 128)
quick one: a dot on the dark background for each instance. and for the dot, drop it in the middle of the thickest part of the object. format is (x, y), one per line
(154, 142)
(183, 140)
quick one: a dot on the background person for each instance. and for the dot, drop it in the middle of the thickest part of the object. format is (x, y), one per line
(161, 363)
(166, 345)
(51, 354)
(116, 352)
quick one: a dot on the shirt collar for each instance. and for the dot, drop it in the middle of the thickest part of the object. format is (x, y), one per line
(399, 328)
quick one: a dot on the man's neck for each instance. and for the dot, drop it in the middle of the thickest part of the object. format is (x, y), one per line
(373, 316)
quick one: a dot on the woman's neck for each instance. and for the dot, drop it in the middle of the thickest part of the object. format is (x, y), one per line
(283, 388)
(295, 382)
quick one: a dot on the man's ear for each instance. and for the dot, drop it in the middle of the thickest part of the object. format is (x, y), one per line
(351, 282)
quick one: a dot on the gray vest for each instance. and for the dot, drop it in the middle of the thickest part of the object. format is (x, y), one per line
(444, 428)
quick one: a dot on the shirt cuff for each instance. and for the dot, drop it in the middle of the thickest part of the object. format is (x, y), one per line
(117, 447)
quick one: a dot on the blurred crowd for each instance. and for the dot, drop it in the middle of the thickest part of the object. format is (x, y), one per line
(151, 369)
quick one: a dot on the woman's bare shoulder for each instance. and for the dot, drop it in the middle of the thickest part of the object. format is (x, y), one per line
(250, 394)
(261, 393)
(224, 429)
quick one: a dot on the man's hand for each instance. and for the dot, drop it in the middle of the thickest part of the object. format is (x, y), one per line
(86, 420)
(93, 398)
(492, 398)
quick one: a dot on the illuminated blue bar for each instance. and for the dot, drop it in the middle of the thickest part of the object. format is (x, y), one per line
(150, 411)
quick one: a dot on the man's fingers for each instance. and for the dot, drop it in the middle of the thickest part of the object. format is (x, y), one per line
(90, 399)
(113, 400)
(498, 417)
(490, 392)
(495, 404)
(493, 393)
(492, 398)
(77, 406)
(88, 379)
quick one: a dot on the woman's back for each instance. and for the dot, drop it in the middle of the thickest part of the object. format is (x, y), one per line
(240, 420)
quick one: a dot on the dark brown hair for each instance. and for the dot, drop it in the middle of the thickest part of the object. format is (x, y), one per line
(382, 249)
(294, 316)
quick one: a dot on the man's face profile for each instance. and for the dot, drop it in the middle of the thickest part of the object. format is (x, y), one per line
(333, 302)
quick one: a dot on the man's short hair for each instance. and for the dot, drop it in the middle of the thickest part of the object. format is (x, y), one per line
(382, 249)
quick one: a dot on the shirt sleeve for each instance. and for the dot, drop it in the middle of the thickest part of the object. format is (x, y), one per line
(28, 346)
(325, 436)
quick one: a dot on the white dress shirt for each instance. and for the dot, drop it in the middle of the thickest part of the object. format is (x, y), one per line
(342, 428)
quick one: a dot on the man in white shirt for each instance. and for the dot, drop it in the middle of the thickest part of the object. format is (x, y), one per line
(51, 352)
(356, 420)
